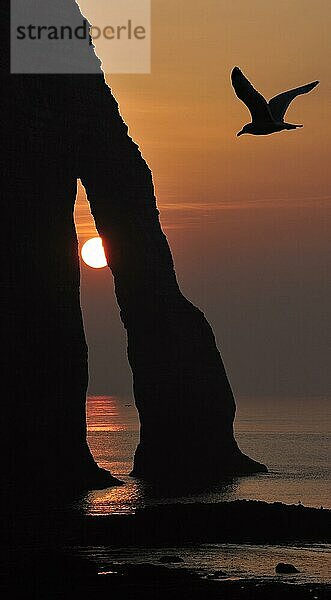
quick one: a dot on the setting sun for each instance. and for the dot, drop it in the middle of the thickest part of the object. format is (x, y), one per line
(93, 253)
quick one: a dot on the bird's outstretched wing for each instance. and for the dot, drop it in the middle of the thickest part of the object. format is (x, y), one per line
(254, 101)
(280, 103)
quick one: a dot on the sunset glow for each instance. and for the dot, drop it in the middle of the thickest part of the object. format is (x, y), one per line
(248, 219)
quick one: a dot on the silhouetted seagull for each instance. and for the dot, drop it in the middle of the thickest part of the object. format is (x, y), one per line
(267, 117)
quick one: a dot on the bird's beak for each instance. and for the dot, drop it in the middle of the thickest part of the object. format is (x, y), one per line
(240, 133)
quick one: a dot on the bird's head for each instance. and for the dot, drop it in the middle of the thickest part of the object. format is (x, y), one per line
(246, 129)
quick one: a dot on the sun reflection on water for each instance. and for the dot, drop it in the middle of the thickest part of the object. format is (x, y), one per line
(295, 450)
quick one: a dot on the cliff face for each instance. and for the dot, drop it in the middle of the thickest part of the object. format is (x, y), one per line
(58, 128)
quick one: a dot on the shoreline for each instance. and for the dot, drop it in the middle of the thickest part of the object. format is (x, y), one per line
(44, 551)
(66, 577)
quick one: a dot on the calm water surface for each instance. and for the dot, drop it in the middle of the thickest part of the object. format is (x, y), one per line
(291, 437)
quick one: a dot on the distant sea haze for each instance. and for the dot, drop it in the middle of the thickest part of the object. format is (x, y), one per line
(292, 437)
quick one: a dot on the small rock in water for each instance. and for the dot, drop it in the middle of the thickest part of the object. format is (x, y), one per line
(170, 559)
(217, 575)
(286, 568)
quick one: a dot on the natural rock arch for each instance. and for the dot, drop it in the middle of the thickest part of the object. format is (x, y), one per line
(59, 128)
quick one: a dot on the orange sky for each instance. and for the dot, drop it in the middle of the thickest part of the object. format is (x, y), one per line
(248, 218)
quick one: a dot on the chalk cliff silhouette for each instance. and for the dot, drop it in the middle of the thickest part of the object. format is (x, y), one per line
(58, 128)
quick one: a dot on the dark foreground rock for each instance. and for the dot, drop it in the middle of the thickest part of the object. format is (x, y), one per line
(239, 521)
(171, 525)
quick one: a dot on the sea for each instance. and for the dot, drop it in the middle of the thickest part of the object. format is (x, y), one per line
(291, 436)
